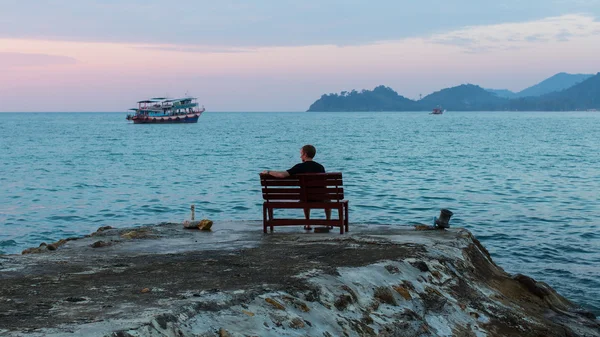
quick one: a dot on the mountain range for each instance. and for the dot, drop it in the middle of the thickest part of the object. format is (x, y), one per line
(558, 82)
(560, 92)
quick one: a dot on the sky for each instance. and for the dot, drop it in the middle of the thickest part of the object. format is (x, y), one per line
(280, 55)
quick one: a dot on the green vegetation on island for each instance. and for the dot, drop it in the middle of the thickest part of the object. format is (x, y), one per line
(578, 95)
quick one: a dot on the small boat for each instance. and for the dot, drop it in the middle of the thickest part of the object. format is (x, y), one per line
(162, 110)
(437, 111)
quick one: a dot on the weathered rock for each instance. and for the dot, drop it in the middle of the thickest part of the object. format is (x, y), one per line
(243, 283)
(403, 292)
(343, 301)
(532, 285)
(137, 234)
(100, 244)
(297, 323)
(422, 266)
(385, 295)
(43, 248)
(424, 227)
(275, 303)
(36, 250)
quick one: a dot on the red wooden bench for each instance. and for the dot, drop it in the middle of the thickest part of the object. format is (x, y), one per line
(304, 191)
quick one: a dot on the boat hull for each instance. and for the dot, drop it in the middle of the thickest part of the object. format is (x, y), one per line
(189, 118)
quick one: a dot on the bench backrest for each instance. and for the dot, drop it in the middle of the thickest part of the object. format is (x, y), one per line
(303, 187)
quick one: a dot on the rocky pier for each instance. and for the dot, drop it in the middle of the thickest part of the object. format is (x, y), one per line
(234, 280)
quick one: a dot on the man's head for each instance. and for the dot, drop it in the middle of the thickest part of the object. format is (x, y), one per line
(307, 152)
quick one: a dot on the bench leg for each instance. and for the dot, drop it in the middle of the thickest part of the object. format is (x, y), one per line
(346, 216)
(264, 218)
(271, 217)
(341, 224)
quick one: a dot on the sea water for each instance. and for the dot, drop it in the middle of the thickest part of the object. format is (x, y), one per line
(525, 183)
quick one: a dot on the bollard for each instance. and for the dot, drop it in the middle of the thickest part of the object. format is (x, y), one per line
(193, 211)
(444, 220)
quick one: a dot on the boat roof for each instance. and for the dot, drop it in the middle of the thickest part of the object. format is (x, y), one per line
(166, 100)
(180, 99)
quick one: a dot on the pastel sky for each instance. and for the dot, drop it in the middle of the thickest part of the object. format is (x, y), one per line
(280, 55)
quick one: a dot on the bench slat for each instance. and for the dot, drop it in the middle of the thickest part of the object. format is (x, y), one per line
(310, 190)
(323, 183)
(298, 205)
(280, 182)
(275, 196)
(292, 222)
(277, 189)
(324, 196)
(336, 175)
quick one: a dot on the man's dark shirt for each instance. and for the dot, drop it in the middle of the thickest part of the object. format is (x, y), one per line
(306, 167)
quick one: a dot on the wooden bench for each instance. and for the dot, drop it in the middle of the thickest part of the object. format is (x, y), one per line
(304, 191)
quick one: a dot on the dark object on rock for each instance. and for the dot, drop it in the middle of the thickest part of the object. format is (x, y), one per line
(191, 224)
(444, 220)
(321, 229)
(205, 225)
(100, 244)
(422, 266)
(75, 299)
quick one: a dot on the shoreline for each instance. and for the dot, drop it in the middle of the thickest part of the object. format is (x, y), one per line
(157, 280)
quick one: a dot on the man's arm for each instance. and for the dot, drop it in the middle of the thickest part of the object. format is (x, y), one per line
(277, 174)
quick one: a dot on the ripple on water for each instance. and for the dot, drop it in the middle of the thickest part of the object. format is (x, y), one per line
(7, 244)
(67, 218)
(589, 235)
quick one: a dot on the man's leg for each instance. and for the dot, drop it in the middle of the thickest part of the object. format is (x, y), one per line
(328, 216)
(307, 216)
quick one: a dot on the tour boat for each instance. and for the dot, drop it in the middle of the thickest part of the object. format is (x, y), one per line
(437, 111)
(161, 110)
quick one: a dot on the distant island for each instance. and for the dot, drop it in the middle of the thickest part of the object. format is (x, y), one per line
(561, 92)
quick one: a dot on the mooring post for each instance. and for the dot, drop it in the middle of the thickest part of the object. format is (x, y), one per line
(193, 211)
(444, 220)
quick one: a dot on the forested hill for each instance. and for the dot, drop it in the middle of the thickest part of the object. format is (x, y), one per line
(381, 98)
(466, 97)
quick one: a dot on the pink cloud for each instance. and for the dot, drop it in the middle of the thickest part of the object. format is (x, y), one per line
(11, 59)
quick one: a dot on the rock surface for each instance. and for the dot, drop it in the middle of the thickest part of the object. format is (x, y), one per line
(234, 281)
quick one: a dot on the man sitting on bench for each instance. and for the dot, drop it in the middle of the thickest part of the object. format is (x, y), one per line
(308, 165)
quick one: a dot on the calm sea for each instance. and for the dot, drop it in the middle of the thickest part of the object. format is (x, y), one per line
(526, 184)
